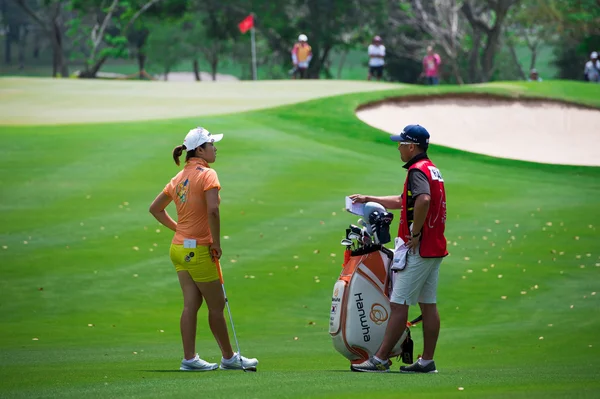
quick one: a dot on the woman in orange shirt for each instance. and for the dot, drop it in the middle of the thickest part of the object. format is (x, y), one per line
(196, 243)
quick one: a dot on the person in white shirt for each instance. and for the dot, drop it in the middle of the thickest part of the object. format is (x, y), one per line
(592, 69)
(534, 76)
(376, 58)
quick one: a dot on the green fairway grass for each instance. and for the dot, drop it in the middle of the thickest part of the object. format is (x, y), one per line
(35, 101)
(90, 303)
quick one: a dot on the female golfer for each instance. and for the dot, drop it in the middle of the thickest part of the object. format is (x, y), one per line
(196, 243)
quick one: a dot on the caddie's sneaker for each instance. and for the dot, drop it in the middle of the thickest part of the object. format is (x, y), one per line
(235, 363)
(372, 365)
(197, 364)
(417, 367)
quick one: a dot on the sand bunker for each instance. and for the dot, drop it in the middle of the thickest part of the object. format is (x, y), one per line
(537, 131)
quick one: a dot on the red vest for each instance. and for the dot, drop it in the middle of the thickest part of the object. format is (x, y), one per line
(433, 242)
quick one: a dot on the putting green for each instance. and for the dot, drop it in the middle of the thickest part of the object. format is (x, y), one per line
(90, 304)
(38, 101)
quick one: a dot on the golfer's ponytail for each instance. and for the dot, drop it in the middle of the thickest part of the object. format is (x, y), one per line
(177, 151)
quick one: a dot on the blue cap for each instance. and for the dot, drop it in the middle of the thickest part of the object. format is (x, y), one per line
(413, 134)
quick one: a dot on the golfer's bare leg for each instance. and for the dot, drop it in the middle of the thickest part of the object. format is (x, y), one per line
(431, 329)
(192, 300)
(395, 327)
(215, 301)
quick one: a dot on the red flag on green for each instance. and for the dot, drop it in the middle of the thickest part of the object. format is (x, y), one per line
(246, 24)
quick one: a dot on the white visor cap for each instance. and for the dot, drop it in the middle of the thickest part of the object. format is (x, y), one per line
(302, 38)
(198, 136)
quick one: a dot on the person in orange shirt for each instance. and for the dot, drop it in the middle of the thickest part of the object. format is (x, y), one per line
(301, 56)
(196, 244)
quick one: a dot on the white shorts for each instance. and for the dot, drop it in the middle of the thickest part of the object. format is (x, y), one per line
(418, 282)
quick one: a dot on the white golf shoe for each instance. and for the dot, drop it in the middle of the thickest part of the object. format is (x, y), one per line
(197, 364)
(236, 362)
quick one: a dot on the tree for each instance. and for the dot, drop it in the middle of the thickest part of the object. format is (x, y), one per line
(327, 23)
(104, 26)
(528, 24)
(14, 24)
(49, 17)
(137, 38)
(487, 19)
(405, 39)
(574, 19)
(440, 19)
(211, 28)
(166, 45)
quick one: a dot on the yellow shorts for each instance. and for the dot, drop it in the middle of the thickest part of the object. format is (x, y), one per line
(196, 261)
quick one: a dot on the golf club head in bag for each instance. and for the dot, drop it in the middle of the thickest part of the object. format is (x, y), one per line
(383, 227)
(375, 220)
(380, 221)
(366, 238)
(370, 207)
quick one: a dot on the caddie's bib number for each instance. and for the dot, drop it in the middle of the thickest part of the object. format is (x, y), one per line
(435, 174)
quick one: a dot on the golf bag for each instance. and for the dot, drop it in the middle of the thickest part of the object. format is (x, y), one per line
(360, 306)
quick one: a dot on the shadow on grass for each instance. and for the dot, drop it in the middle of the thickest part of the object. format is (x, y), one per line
(294, 371)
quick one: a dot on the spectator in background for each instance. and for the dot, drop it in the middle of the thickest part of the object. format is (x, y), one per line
(301, 56)
(591, 71)
(431, 67)
(534, 76)
(376, 58)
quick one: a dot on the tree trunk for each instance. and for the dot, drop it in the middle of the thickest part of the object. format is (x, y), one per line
(141, 59)
(23, 31)
(7, 55)
(489, 52)
(315, 72)
(533, 56)
(7, 48)
(214, 63)
(36, 45)
(341, 64)
(196, 70)
(515, 58)
(474, 75)
(492, 42)
(59, 63)
(90, 73)
(456, 71)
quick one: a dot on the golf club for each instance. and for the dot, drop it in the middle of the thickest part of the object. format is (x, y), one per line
(355, 229)
(355, 236)
(384, 227)
(366, 238)
(365, 224)
(246, 369)
(375, 221)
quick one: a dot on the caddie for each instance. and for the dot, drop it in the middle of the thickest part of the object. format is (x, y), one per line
(422, 225)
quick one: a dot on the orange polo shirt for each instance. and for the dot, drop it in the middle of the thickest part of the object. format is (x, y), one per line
(302, 51)
(188, 189)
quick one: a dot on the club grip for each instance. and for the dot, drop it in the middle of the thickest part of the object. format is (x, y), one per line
(218, 266)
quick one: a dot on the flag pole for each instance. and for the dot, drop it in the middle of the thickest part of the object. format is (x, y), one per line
(253, 40)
